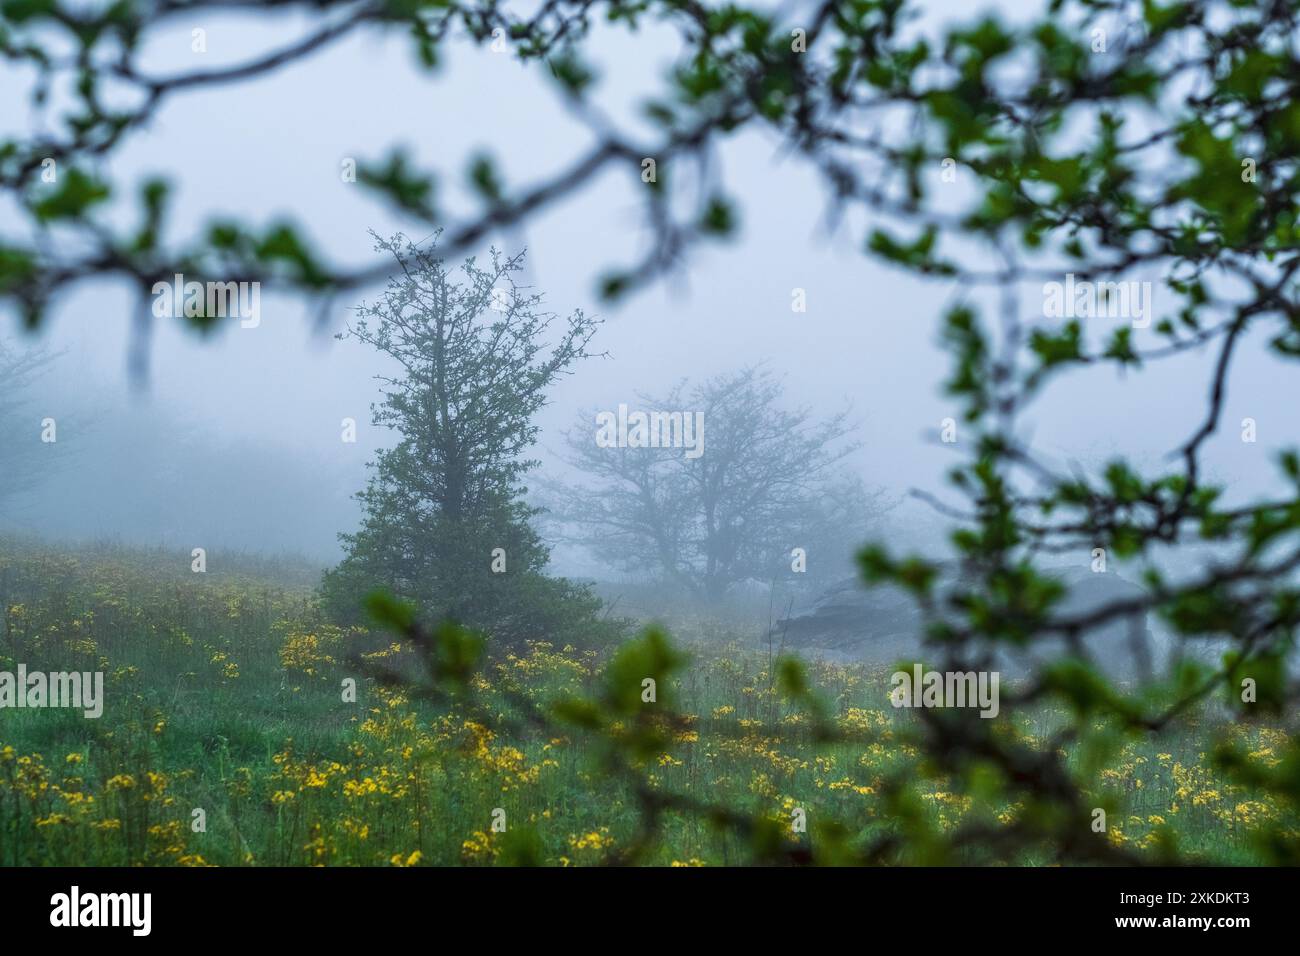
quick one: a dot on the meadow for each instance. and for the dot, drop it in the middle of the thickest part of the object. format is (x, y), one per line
(227, 739)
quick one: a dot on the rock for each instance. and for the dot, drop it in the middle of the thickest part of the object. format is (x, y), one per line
(850, 621)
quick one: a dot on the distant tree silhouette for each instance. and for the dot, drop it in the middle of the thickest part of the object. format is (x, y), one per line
(24, 458)
(762, 482)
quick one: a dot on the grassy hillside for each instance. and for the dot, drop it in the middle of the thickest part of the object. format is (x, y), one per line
(225, 694)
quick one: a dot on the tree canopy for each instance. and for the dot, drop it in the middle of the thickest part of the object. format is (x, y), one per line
(444, 523)
(1100, 142)
(762, 497)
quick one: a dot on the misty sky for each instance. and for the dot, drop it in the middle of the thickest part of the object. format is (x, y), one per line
(273, 147)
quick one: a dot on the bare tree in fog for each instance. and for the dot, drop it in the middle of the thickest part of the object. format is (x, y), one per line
(760, 500)
(24, 457)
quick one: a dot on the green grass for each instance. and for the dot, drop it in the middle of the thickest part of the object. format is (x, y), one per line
(224, 694)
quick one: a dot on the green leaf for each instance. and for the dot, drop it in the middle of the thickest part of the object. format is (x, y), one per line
(73, 198)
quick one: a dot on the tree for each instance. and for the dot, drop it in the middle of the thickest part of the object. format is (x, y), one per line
(443, 520)
(1101, 141)
(24, 457)
(759, 483)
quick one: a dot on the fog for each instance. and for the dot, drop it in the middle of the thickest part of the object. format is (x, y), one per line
(233, 440)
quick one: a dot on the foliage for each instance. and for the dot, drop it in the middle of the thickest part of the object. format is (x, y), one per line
(444, 524)
(223, 693)
(1166, 145)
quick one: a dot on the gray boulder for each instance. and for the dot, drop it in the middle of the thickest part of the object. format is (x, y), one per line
(851, 622)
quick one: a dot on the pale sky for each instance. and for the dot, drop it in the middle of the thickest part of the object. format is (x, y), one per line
(273, 147)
